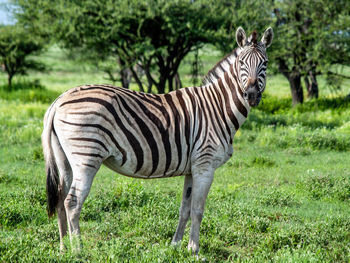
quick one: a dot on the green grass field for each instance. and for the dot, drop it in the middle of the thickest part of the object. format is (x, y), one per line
(284, 196)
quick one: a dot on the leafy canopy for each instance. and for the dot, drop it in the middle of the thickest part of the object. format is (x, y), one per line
(16, 46)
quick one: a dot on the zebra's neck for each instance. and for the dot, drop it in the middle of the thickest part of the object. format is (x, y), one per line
(229, 101)
(221, 67)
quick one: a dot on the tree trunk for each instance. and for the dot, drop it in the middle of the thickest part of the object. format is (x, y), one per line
(312, 88)
(9, 80)
(150, 84)
(125, 75)
(161, 84)
(170, 83)
(295, 87)
(138, 81)
(294, 81)
(178, 84)
(150, 80)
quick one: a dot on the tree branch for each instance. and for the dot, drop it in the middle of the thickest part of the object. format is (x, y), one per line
(337, 75)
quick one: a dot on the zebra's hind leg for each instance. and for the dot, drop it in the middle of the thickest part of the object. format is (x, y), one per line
(83, 176)
(65, 173)
(201, 184)
(185, 209)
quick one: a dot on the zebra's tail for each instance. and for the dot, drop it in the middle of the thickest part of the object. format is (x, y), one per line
(52, 177)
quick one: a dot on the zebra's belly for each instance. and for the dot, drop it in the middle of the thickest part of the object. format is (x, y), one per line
(114, 165)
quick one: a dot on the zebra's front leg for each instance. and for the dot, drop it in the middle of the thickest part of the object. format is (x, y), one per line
(185, 209)
(201, 184)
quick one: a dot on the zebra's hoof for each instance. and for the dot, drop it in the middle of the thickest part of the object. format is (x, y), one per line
(176, 244)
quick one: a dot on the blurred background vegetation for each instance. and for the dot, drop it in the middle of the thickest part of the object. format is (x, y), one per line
(159, 46)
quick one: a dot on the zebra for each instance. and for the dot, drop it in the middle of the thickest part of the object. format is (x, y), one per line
(188, 132)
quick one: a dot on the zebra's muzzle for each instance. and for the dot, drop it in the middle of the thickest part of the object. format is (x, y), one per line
(252, 96)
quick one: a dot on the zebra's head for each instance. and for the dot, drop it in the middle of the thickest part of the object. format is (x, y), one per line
(251, 64)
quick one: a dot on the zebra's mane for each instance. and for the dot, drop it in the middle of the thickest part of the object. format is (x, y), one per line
(219, 69)
(224, 64)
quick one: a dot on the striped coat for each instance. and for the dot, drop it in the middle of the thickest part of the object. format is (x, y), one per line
(165, 133)
(185, 132)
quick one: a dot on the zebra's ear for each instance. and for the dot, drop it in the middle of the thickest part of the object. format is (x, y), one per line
(267, 37)
(241, 37)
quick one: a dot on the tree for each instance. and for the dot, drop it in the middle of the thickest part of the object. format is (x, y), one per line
(147, 37)
(16, 46)
(250, 14)
(310, 37)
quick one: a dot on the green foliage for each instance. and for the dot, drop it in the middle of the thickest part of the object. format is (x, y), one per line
(23, 85)
(272, 105)
(250, 14)
(277, 198)
(16, 45)
(263, 161)
(20, 124)
(155, 36)
(26, 91)
(310, 37)
(319, 33)
(300, 136)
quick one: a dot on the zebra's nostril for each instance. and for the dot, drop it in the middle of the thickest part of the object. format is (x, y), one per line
(245, 95)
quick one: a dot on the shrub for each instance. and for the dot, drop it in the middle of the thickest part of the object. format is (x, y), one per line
(272, 105)
(28, 92)
(297, 136)
(23, 85)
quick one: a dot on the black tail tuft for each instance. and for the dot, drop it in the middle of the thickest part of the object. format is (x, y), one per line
(52, 189)
(52, 178)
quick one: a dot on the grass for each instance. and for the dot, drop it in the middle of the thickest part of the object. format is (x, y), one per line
(283, 197)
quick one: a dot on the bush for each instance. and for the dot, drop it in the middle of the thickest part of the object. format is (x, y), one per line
(273, 105)
(23, 85)
(297, 136)
(28, 92)
(327, 113)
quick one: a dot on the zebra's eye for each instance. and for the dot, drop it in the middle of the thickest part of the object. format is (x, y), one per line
(241, 62)
(265, 63)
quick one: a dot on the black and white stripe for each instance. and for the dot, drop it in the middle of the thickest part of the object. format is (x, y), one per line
(151, 135)
(185, 132)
